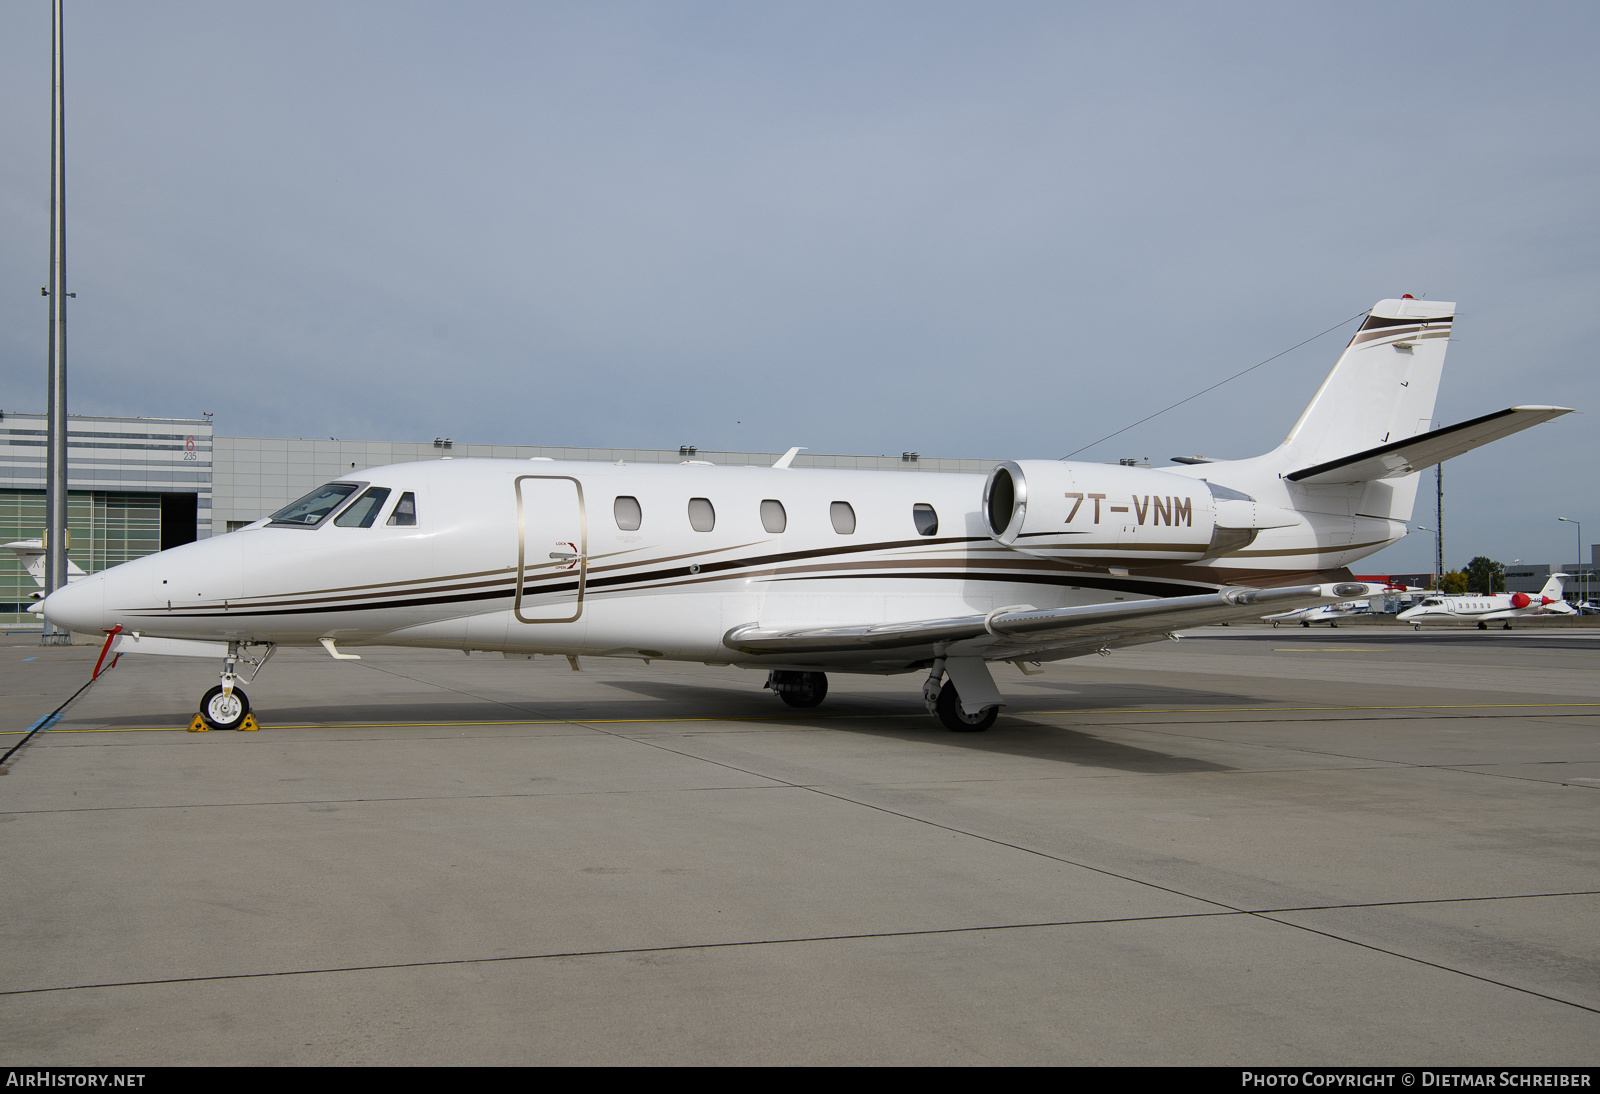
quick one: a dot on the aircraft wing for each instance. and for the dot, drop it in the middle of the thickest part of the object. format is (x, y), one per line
(1390, 461)
(1062, 631)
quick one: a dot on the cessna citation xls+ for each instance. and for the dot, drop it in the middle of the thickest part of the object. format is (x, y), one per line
(805, 572)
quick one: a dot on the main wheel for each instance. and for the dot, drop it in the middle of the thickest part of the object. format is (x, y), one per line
(1482, 626)
(948, 706)
(1305, 622)
(224, 711)
(799, 689)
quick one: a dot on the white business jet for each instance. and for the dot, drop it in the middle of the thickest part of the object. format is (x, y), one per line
(30, 552)
(804, 572)
(1484, 609)
(1332, 613)
(1325, 613)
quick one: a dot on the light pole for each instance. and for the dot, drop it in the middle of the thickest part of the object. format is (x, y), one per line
(1583, 591)
(1438, 555)
(55, 487)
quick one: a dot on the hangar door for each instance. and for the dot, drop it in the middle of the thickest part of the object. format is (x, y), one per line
(552, 549)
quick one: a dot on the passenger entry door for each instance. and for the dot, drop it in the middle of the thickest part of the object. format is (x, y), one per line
(552, 549)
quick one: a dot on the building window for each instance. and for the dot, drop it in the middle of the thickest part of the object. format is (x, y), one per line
(628, 514)
(773, 518)
(843, 517)
(926, 519)
(702, 517)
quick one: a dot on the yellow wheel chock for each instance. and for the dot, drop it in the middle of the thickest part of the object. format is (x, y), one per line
(199, 724)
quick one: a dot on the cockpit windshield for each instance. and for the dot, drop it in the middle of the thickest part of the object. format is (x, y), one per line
(312, 509)
(364, 510)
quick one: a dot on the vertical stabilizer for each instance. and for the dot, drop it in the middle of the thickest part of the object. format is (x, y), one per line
(1382, 389)
(30, 552)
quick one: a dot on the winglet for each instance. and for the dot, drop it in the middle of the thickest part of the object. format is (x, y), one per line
(788, 457)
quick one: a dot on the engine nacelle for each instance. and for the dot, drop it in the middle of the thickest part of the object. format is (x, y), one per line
(1110, 514)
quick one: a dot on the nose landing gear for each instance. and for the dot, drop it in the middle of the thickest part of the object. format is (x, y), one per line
(226, 706)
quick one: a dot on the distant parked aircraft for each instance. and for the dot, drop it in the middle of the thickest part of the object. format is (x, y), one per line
(30, 552)
(1326, 613)
(1501, 606)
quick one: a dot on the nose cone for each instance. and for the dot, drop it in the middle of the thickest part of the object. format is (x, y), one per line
(1410, 613)
(79, 606)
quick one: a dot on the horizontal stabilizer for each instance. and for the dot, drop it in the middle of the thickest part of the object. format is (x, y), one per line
(1101, 623)
(1399, 458)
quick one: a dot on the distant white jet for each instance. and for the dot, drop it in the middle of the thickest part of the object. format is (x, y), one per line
(1332, 613)
(1325, 613)
(30, 552)
(1502, 606)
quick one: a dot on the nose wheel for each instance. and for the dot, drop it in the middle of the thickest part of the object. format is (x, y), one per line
(224, 711)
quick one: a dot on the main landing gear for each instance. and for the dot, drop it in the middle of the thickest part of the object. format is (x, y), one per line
(226, 706)
(973, 713)
(967, 702)
(799, 689)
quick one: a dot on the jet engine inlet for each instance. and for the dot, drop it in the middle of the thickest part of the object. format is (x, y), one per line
(1000, 496)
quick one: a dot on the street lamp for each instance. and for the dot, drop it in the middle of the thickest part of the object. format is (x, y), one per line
(1583, 590)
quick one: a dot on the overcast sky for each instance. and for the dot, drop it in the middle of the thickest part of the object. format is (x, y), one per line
(979, 229)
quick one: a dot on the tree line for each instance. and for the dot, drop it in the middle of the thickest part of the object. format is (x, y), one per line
(1481, 575)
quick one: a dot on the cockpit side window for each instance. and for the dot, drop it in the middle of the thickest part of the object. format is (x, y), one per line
(316, 506)
(927, 520)
(405, 512)
(364, 510)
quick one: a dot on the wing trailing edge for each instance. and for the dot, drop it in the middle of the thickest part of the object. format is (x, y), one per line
(1032, 628)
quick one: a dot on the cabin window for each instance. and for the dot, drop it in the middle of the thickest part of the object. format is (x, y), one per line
(843, 517)
(312, 509)
(926, 519)
(364, 510)
(773, 518)
(405, 512)
(628, 514)
(702, 517)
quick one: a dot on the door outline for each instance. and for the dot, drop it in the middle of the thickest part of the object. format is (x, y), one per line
(522, 542)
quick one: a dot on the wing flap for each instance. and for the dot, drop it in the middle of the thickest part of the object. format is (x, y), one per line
(1096, 625)
(1398, 458)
